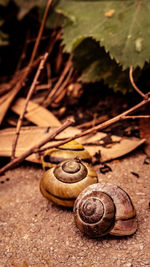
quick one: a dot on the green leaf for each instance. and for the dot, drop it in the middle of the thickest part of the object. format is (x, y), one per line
(95, 65)
(122, 27)
(113, 76)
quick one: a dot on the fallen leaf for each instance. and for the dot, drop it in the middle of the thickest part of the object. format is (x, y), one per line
(116, 150)
(29, 136)
(93, 138)
(35, 113)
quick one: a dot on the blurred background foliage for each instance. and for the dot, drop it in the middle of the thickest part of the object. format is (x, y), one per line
(104, 37)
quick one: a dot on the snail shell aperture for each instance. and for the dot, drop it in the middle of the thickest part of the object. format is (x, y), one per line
(105, 208)
(63, 183)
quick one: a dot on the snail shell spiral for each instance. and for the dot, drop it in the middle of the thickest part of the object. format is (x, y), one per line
(63, 183)
(105, 208)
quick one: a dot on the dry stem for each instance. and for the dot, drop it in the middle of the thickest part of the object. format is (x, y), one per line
(52, 93)
(100, 126)
(30, 92)
(133, 83)
(40, 32)
(63, 86)
(93, 122)
(136, 117)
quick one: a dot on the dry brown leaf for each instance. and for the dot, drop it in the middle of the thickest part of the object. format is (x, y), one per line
(93, 138)
(145, 133)
(36, 113)
(97, 138)
(71, 131)
(115, 150)
(29, 136)
(109, 146)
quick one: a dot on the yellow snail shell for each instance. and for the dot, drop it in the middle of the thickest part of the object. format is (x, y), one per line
(105, 208)
(63, 183)
(67, 151)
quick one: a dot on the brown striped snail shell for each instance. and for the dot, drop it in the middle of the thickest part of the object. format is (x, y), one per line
(105, 208)
(63, 183)
(67, 151)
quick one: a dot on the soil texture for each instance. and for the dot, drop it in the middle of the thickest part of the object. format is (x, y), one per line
(37, 233)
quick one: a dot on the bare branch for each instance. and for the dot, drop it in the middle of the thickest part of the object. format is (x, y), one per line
(52, 93)
(100, 126)
(136, 117)
(30, 92)
(40, 32)
(133, 83)
(57, 96)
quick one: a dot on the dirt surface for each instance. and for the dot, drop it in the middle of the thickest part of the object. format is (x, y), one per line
(35, 232)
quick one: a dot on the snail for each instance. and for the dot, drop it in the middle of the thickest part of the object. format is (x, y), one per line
(105, 208)
(63, 183)
(69, 150)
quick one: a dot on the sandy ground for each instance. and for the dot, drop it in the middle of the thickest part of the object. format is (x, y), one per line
(35, 232)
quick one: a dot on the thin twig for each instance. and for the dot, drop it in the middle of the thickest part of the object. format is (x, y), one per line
(63, 86)
(99, 126)
(40, 32)
(58, 84)
(55, 36)
(42, 86)
(34, 149)
(136, 117)
(49, 72)
(133, 83)
(93, 122)
(30, 92)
